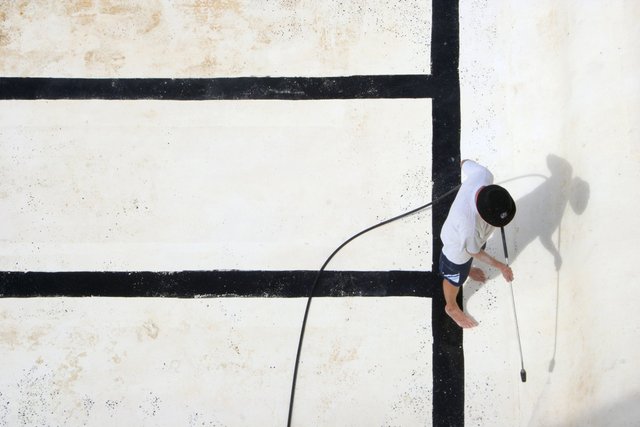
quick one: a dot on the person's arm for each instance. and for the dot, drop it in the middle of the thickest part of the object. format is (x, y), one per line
(471, 168)
(484, 257)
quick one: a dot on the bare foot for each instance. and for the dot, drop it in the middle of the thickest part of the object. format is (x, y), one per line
(477, 275)
(459, 317)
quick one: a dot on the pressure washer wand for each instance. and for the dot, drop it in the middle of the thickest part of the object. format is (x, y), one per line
(523, 373)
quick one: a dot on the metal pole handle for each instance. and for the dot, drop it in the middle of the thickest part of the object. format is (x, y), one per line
(523, 373)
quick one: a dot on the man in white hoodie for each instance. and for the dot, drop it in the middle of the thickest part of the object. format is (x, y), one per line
(479, 207)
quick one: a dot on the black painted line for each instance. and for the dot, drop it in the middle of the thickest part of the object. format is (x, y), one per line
(240, 88)
(234, 283)
(448, 354)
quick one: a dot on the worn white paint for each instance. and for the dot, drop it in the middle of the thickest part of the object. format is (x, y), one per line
(551, 88)
(168, 362)
(206, 38)
(254, 185)
(148, 185)
(548, 88)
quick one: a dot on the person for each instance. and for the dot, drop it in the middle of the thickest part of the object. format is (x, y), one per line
(478, 208)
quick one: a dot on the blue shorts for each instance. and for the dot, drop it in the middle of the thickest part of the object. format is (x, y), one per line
(456, 274)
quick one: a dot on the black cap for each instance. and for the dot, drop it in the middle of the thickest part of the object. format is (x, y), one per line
(495, 205)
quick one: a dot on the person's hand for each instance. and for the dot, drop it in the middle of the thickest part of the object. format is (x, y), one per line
(507, 273)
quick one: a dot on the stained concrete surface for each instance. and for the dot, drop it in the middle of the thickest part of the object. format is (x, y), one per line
(549, 103)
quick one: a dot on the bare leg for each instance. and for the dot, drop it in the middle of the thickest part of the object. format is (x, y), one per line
(452, 308)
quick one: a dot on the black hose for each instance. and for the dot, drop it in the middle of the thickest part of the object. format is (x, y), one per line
(315, 285)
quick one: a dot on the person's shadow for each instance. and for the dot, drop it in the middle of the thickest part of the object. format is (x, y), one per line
(538, 216)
